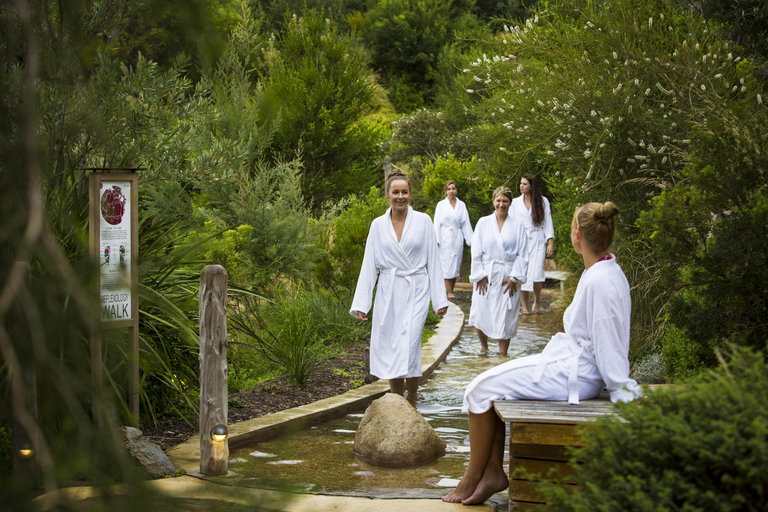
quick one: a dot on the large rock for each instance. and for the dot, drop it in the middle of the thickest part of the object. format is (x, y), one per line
(393, 433)
(146, 453)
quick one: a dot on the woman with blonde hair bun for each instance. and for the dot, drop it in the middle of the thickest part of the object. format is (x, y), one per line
(577, 364)
(499, 266)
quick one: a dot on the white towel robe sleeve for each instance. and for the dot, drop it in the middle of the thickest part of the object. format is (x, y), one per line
(452, 229)
(591, 354)
(537, 239)
(409, 275)
(497, 255)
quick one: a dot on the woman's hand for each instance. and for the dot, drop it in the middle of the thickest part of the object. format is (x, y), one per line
(441, 312)
(361, 316)
(550, 248)
(509, 286)
(482, 286)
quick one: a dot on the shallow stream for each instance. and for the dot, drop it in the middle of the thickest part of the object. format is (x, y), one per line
(319, 460)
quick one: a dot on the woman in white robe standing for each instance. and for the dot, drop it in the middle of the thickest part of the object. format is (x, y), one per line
(533, 209)
(591, 354)
(452, 229)
(499, 266)
(401, 254)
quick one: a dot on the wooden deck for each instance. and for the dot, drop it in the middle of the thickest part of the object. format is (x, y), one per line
(540, 436)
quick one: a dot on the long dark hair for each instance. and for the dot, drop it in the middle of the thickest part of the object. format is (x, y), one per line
(537, 202)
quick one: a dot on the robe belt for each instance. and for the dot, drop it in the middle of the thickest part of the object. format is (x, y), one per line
(391, 273)
(493, 263)
(533, 229)
(576, 350)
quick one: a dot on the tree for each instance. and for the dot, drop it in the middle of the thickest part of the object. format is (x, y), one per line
(710, 237)
(319, 84)
(406, 38)
(608, 101)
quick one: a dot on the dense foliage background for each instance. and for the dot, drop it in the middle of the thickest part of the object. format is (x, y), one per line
(262, 129)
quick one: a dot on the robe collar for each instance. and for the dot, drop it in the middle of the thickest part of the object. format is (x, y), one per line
(408, 218)
(498, 238)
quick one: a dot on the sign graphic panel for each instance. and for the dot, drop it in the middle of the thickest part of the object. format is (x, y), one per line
(115, 251)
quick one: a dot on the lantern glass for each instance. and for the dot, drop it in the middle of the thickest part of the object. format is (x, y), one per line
(219, 433)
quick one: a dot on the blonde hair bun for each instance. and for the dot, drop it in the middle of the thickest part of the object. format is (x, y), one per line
(606, 211)
(597, 224)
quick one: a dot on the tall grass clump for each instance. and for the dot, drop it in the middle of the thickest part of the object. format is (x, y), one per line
(298, 330)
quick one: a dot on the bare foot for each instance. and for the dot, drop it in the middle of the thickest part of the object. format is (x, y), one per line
(537, 308)
(462, 491)
(489, 485)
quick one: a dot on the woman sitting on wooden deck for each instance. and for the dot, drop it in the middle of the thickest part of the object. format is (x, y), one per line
(591, 354)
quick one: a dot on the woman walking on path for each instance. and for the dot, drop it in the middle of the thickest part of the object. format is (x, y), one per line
(499, 265)
(591, 354)
(401, 254)
(533, 209)
(452, 228)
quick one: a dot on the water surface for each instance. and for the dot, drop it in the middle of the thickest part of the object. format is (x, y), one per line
(319, 460)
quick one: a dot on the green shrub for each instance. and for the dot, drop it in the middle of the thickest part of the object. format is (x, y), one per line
(343, 240)
(701, 446)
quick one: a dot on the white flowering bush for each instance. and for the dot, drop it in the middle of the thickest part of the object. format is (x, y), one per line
(605, 101)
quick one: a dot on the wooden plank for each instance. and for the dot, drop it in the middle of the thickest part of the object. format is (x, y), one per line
(517, 411)
(539, 469)
(522, 506)
(523, 490)
(536, 451)
(544, 434)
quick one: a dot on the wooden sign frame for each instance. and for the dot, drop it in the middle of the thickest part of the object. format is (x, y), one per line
(121, 312)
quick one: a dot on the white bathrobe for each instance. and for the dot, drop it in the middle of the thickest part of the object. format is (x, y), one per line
(497, 255)
(409, 275)
(452, 228)
(537, 239)
(591, 354)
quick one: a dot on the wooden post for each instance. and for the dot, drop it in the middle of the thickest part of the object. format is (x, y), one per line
(368, 378)
(214, 455)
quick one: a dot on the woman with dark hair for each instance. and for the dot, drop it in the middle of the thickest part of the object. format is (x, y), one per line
(592, 354)
(452, 228)
(401, 256)
(533, 210)
(499, 264)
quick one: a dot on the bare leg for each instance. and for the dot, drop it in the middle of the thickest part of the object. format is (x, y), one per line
(412, 386)
(524, 301)
(537, 297)
(494, 479)
(449, 285)
(503, 347)
(486, 452)
(483, 341)
(397, 386)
